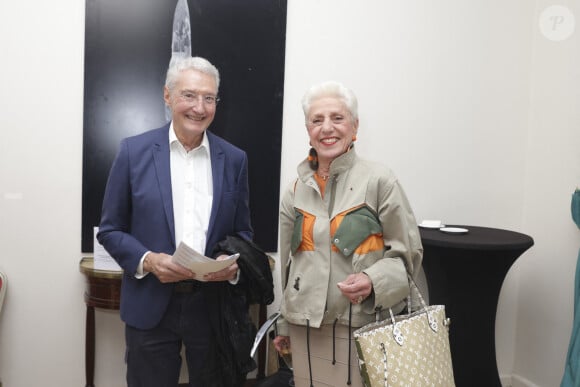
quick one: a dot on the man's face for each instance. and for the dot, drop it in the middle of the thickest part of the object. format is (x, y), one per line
(192, 103)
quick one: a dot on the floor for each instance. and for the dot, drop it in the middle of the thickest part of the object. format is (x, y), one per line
(249, 383)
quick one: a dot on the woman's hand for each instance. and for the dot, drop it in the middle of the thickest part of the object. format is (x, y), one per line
(356, 287)
(282, 345)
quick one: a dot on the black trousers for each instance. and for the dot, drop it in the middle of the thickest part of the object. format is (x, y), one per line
(153, 356)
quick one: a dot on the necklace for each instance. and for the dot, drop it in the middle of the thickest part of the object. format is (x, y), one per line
(322, 177)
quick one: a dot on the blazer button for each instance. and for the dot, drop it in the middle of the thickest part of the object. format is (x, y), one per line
(337, 241)
(346, 251)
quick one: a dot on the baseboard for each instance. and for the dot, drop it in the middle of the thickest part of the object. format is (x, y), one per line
(506, 380)
(520, 381)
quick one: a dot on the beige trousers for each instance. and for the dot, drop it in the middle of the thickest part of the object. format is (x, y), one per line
(324, 373)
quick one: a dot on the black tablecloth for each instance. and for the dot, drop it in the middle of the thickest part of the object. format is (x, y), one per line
(465, 273)
(477, 238)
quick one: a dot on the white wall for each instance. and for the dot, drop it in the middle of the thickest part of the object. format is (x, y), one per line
(546, 275)
(470, 105)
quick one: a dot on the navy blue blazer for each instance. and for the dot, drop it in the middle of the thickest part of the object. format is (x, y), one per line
(137, 214)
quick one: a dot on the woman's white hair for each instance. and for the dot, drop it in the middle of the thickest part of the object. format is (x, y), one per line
(330, 89)
(177, 65)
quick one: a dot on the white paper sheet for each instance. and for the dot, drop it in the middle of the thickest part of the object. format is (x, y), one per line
(101, 259)
(199, 263)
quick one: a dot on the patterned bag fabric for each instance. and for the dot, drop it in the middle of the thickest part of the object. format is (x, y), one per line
(407, 350)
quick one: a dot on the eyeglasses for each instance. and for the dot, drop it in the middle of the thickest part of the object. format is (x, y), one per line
(191, 98)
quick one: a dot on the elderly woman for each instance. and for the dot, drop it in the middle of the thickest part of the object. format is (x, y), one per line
(348, 239)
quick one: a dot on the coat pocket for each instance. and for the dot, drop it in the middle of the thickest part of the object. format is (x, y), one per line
(359, 230)
(303, 233)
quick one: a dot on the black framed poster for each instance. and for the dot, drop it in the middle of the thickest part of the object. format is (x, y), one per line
(128, 45)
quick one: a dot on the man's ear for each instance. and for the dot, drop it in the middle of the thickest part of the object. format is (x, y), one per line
(166, 96)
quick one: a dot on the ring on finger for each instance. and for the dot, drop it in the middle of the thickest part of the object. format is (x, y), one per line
(359, 299)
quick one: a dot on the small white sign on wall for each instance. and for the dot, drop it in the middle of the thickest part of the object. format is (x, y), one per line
(102, 259)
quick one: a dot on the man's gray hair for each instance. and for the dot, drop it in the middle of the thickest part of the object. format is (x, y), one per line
(198, 63)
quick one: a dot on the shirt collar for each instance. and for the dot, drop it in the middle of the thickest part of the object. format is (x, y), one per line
(173, 140)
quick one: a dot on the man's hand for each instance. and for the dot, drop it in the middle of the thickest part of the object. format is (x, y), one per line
(227, 274)
(161, 265)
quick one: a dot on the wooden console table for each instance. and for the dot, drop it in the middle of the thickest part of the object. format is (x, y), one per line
(103, 290)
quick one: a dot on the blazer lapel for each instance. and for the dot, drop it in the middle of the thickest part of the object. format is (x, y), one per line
(217, 170)
(162, 170)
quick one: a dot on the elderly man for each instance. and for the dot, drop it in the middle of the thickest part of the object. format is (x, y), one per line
(176, 183)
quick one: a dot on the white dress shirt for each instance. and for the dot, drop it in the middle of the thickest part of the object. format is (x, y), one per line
(192, 193)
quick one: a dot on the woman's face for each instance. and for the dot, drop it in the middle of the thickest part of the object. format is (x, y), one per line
(331, 128)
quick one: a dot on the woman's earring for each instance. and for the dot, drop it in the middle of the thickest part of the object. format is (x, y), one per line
(313, 159)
